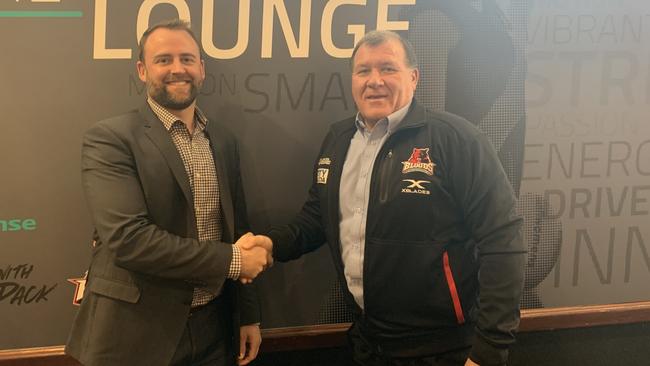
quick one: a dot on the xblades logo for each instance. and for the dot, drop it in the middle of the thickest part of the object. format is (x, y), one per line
(17, 225)
(416, 183)
(416, 186)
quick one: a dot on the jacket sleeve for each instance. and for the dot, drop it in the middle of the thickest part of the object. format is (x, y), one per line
(306, 232)
(488, 204)
(119, 211)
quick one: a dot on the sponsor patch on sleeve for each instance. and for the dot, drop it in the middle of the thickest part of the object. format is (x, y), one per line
(321, 175)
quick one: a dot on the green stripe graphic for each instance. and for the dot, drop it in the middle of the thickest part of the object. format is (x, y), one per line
(41, 14)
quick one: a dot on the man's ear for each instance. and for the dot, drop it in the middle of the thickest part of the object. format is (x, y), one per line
(142, 71)
(415, 77)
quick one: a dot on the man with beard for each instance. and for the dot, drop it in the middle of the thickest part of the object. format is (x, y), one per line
(164, 189)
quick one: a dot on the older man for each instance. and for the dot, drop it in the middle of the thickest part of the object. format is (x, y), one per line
(164, 190)
(419, 216)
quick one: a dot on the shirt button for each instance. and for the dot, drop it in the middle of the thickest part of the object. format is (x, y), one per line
(357, 210)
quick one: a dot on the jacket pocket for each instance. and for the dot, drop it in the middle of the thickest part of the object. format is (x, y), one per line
(384, 177)
(407, 287)
(453, 290)
(114, 289)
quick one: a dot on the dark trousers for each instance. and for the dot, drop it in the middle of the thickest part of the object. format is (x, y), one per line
(366, 353)
(207, 339)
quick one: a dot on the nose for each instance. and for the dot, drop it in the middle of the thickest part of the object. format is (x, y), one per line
(177, 67)
(375, 79)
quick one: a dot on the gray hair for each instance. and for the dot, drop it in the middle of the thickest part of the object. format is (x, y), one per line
(378, 37)
(174, 24)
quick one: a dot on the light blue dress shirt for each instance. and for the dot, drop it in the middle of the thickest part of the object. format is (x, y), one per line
(355, 193)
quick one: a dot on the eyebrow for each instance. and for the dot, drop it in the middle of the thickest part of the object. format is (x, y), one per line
(162, 55)
(380, 64)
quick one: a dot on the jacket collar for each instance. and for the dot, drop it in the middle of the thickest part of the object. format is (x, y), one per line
(416, 116)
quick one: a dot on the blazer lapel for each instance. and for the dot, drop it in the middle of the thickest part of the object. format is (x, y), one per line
(156, 131)
(219, 155)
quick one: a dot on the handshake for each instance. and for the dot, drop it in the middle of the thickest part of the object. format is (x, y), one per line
(256, 255)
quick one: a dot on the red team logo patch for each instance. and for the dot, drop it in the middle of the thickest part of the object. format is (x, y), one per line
(419, 162)
(80, 284)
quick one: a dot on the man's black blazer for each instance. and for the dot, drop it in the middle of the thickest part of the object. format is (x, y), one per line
(146, 259)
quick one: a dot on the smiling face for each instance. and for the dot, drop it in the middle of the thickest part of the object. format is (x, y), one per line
(382, 82)
(172, 68)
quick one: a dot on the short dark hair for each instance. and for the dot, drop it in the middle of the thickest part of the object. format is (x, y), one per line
(377, 37)
(174, 24)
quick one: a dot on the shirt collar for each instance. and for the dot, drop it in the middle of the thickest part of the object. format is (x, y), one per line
(168, 119)
(394, 119)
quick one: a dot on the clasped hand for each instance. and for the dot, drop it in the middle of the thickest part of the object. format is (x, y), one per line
(256, 255)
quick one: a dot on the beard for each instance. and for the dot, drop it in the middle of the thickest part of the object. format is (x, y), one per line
(174, 101)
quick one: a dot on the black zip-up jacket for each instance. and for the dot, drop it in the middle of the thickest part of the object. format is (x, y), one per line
(444, 257)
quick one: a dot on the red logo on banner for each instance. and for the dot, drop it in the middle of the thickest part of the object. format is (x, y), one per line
(80, 284)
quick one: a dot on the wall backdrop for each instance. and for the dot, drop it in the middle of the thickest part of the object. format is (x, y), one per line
(561, 88)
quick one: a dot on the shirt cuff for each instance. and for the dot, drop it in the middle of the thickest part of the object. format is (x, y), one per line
(235, 264)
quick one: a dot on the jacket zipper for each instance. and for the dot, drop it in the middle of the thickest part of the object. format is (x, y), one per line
(453, 291)
(385, 168)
